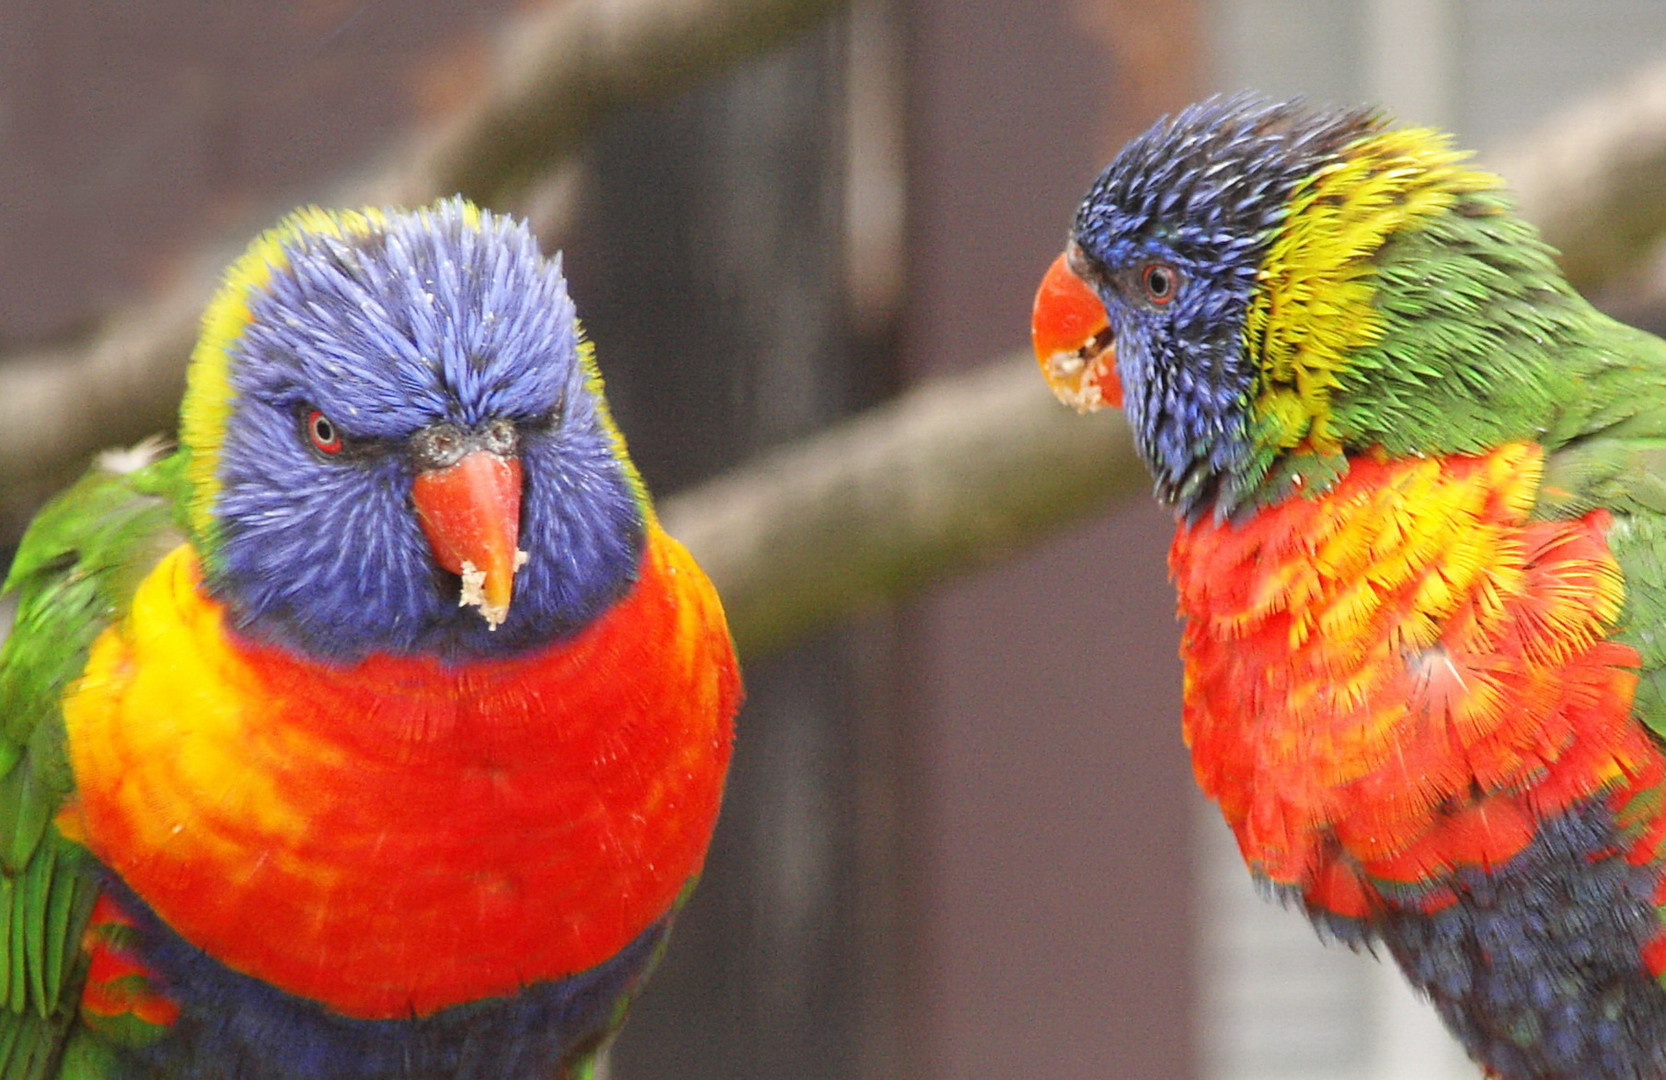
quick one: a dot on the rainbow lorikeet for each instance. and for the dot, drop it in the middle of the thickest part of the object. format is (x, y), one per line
(1421, 491)
(379, 730)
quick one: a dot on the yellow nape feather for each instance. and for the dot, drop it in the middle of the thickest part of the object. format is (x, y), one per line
(208, 395)
(1314, 303)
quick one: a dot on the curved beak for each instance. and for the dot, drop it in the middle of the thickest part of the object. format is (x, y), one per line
(1072, 339)
(471, 513)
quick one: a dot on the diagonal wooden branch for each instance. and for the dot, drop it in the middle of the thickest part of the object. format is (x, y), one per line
(955, 473)
(560, 71)
(564, 69)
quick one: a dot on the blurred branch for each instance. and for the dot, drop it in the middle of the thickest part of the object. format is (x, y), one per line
(560, 71)
(955, 473)
(1593, 178)
(60, 406)
(563, 69)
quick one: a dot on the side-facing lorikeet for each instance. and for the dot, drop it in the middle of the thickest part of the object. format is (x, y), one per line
(379, 730)
(1421, 556)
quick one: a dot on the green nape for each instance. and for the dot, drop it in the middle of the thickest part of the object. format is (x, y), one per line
(1315, 311)
(1484, 342)
(1404, 305)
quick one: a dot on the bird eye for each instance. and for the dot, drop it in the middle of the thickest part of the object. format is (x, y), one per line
(1160, 282)
(322, 433)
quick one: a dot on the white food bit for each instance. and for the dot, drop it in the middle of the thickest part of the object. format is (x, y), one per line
(122, 461)
(1083, 392)
(474, 592)
(1066, 365)
(474, 585)
(1074, 375)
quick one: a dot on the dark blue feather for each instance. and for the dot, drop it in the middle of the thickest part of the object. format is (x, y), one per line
(429, 319)
(233, 1027)
(1203, 191)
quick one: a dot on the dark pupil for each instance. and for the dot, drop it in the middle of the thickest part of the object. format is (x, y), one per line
(323, 430)
(1157, 280)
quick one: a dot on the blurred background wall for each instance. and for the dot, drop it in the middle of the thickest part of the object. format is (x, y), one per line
(960, 841)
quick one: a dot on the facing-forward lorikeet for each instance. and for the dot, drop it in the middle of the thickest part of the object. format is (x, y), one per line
(1421, 556)
(379, 730)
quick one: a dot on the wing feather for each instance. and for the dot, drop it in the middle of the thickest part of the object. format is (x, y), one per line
(73, 575)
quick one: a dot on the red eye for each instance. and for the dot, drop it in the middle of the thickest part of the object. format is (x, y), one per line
(325, 438)
(1160, 282)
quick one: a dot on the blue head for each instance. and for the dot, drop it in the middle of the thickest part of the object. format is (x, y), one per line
(1171, 238)
(352, 359)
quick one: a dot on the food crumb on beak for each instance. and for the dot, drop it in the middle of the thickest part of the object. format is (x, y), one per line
(474, 591)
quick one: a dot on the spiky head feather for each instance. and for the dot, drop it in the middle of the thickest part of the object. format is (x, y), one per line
(1206, 192)
(389, 323)
(1342, 284)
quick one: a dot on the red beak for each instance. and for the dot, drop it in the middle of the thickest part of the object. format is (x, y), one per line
(1072, 339)
(471, 512)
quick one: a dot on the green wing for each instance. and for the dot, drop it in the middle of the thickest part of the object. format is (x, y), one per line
(74, 574)
(1613, 457)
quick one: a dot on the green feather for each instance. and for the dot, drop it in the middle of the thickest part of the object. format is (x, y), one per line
(86, 1057)
(17, 972)
(74, 574)
(32, 913)
(1477, 326)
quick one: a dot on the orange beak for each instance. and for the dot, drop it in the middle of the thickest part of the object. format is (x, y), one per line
(1072, 339)
(471, 513)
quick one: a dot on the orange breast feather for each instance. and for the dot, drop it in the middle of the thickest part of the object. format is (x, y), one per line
(401, 836)
(1400, 677)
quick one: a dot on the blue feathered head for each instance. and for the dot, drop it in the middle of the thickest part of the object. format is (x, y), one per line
(1171, 240)
(392, 424)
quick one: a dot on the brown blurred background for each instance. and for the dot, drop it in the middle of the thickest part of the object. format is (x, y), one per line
(960, 841)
